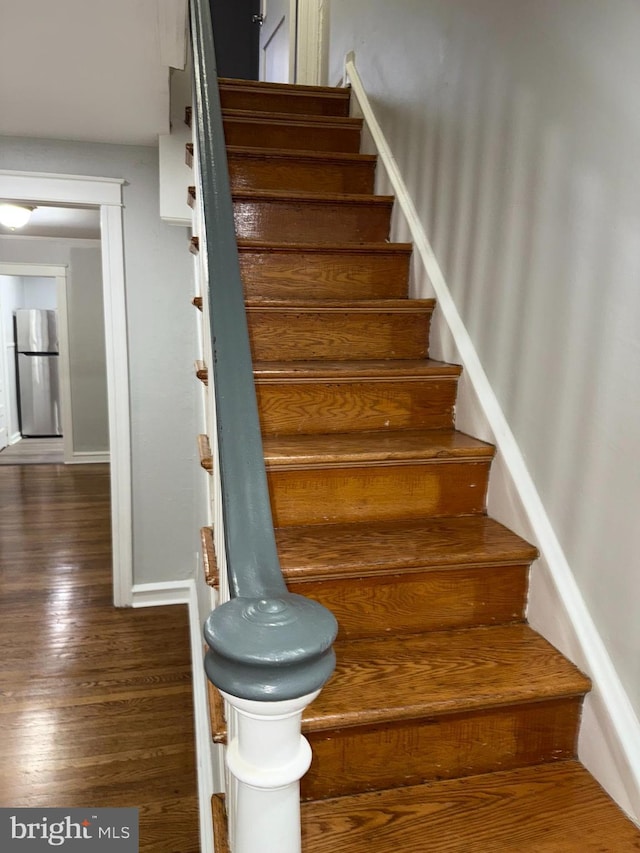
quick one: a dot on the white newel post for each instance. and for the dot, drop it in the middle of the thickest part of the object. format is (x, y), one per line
(267, 758)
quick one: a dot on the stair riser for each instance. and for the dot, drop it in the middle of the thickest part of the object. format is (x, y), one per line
(234, 98)
(377, 492)
(289, 335)
(354, 760)
(324, 275)
(296, 136)
(252, 173)
(422, 601)
(317, 407)
(311, 221)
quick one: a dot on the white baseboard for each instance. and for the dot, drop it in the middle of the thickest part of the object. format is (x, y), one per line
(184, 592)
(84, 457)
(609, 743)
(14, 438)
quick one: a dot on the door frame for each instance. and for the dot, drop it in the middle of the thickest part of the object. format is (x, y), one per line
(311, 25)
(105, 193)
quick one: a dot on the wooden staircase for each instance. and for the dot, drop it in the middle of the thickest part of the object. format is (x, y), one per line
(449, 724)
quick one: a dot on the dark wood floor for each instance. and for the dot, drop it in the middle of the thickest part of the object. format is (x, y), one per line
(95, 703)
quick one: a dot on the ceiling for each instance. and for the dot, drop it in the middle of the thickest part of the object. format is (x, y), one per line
(89, 70)
(49, 221)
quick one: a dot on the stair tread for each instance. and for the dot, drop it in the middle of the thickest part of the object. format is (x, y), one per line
(262, 85)
(297, 119)
(365, 548)
(302, 154)
(348, 248)
(302, 196)
(411, 306)
(373, 447)
(548, 808)
(441, 672)
(345, 370)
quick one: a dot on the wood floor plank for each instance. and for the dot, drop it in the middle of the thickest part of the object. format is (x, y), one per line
(95, 703)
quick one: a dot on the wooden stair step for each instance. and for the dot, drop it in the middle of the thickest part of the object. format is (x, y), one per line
(408, 577)
(343, 449)
(308, 171)
(311, 217)
(552, 808)
(283, 97)
(440, 705)
(344, 396)
(441, 672)
(366, 550)
(293, 132)
(375, 476)
(339, 330)
(324, 270)
(317, 217)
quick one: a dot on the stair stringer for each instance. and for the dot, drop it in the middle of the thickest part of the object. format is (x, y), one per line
(609, 738)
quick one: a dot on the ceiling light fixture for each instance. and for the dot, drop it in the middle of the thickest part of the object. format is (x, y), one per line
(15, 215)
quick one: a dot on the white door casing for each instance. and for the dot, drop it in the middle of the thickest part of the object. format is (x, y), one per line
(106, 193)
(4, 418)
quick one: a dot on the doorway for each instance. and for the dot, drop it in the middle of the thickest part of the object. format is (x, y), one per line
(41, 288)
(106, 195)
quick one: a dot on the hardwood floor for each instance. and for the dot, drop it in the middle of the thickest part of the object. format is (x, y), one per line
(33, 451)
(96, 703)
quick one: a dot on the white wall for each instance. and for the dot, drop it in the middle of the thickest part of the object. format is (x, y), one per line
(87, 360)
(39, 292)
(516, 125)
(167, 481)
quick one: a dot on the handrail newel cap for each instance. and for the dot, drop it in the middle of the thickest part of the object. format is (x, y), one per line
(270, 649)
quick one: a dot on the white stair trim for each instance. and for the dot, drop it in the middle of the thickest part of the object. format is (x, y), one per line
(184, 592)
(609, 744)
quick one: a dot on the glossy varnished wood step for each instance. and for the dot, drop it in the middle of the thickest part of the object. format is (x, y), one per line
(283, 97)
(440, 705)
(293, 132)
(375, 476)
(324, 271)
(408, 577)
(368, 550)
(344, 449)
(301, 216)
(553, 808)
(311, 217)
(340, 330)
(344, 396)
(305, 171)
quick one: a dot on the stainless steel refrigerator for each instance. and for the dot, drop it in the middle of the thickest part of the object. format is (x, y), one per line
(38, 378)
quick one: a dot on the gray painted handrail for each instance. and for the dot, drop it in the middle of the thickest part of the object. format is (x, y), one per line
(265, 643)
